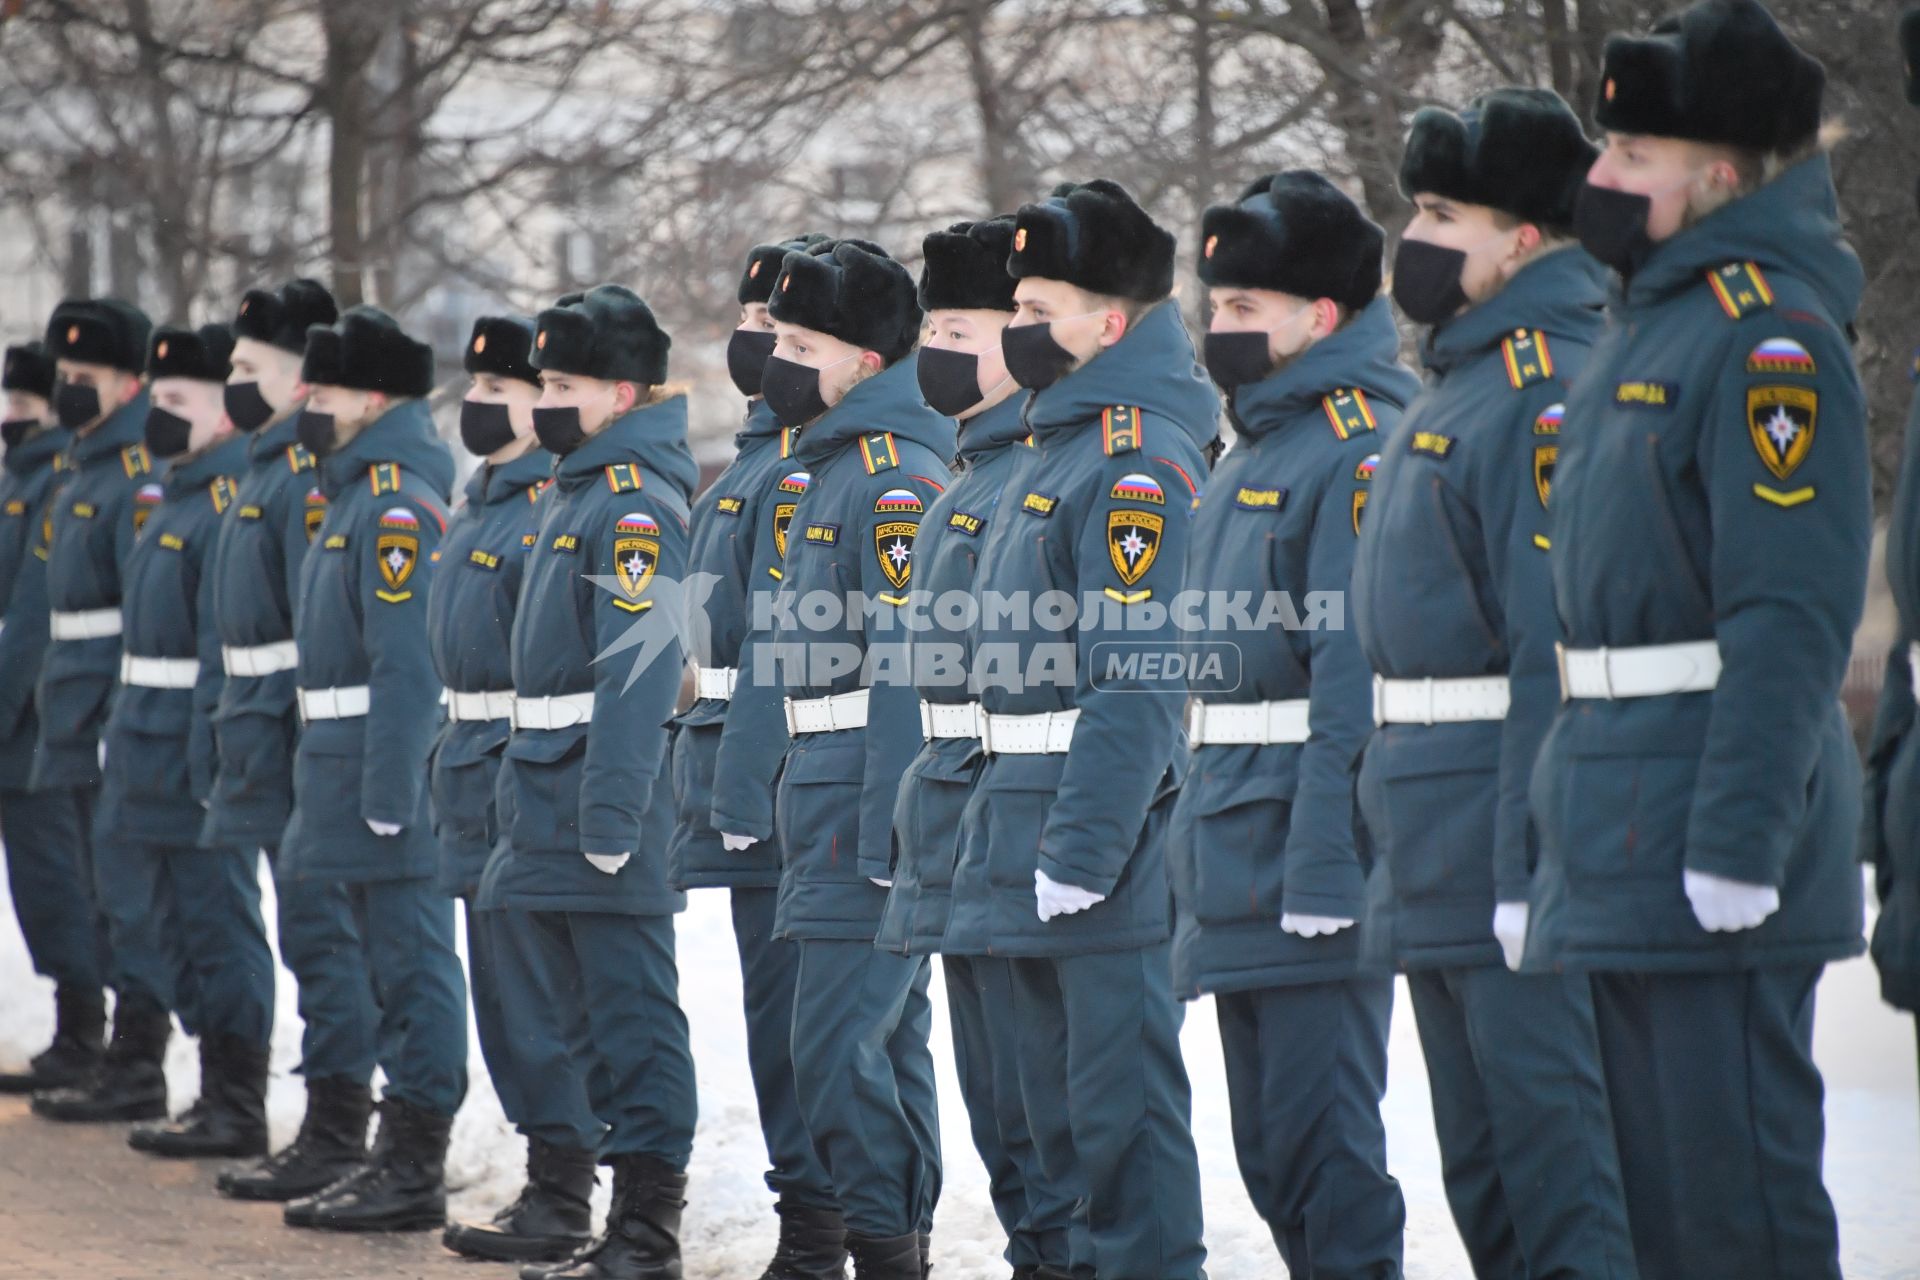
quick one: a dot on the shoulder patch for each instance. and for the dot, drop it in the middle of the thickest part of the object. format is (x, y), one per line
(636, 522)
(1741, 289)
(893, 548)
(135, 460)
(299, 459)
(899, 501)
(384, 477)
(1119, 429)
(1545, 458)
(400, 518)
(315, 512)
(623, 477)
(397, 550)
(145, 499)
(1548, 423)
(1349, 412)
(1368, 465)
(1136, 487)
(1781, 421)
(1528, 357)
(1781, 355)
(1133, 542)
(221, 491)
(636, 554)
(795, 482)
(782, 521)
(878, 453)
(1433, 444)
(1359, 506)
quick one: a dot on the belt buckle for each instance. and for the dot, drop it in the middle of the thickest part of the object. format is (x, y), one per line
(1379, 701)
(1196, 722)
(986, 730)
(1560, 663)
(793, 730)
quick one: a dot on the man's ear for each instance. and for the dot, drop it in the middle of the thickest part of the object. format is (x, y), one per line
(872, 361)
(1113, 327)
(135, 384)
(625, 396)
(1326, 317)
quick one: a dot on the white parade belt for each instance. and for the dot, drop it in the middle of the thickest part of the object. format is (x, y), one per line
(1048, 733)
(715, 682)
(1639, 671)
(488, 704)
(949, 720)
(159, 673)
(259, 659)
(84, 624)
(561, 711)
(342, 703)
(1219, 724)
(1443, 701)
(825, 715)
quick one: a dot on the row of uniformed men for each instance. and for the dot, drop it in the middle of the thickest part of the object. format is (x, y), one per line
(1654, 823)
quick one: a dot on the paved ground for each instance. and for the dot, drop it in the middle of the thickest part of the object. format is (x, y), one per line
(76, 1204)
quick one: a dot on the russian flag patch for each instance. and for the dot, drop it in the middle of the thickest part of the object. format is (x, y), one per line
(1781, 355)
(898, 500)
(1136, 487)
(399, 518)
(636, 522)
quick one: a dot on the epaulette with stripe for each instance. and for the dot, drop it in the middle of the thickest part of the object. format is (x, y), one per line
(384, 477)
(1741, 289)
(60, 462)
(1119, 429)
(878, 452)
(221, 491)
(786, 442)
(1349, 412)
(1527, 357)
(623, 477)
(135, 461)
(299, 459)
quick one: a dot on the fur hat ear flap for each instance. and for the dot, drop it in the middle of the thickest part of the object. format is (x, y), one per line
(608, 332)
(103, 331)
(203, 354)
(500, 345)
(366, 350)
(850, 290)
(28, 368)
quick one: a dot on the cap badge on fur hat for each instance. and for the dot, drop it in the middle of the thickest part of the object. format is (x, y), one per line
(541, 341)
(479, 343)
(73, 334)
(1213, 242)
(1019, 240)
(753, 272)
(160, 351)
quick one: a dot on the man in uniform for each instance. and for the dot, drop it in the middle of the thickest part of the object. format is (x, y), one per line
(1062, 863)
(577, 884)
(874, 458)
(359, 836)
(45, 840)
(1890, 836)
(1699, 795)
(739, 529)
(1455, 612)
(157, 883)
(100, 346)
(470, 627)
(968, 297)
(255, 571)
(1268, 876)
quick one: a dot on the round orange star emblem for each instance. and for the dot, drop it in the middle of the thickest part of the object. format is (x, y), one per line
(479, 343)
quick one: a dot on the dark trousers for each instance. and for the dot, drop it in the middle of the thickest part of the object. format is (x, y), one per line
(767, 968)
(612, 984)
(1717, 1105)
(1100, 1047)
(340, 1019)
(1526, 1143)
(146, 953)
(1037, 1215)
(219, 940)
(864, 1076)
(51, 883)
(1306, 1070)
(542, 1089)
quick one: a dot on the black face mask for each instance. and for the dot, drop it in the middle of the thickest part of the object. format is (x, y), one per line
(747, 352)
(167, 434)
(484, 428)
(559, 430)
(949, 380)
(316, 432)
(792, 391)
(1612, 226)
(76, 405)
(247, 409)
(1034, 359)
(1238, 359)
(14, 430)
(1426, 281)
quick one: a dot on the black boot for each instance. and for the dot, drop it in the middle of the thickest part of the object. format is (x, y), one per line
(550, 1219)
(230, 1116)
(131, 1084)
(888, 1258)
(642, 1240)
(403, 1187)
(331, 1143)
(813, 1245)
(80, 1027)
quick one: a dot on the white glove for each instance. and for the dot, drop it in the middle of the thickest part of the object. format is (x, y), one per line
(1313, 926)
(1056, 899)
(1510, 927)
(103, 753)
(380, 828)
(610, 863)
(734, 844)
(884, 884)
(1728, 906)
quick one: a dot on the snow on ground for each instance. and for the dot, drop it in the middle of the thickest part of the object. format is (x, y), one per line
(1866, 1050)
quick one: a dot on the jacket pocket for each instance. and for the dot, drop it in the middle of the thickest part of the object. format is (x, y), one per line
(1239, 839)
(73, 707)
(541, 769)
(817, 808)
(256, 756)
(326, 779)
(460, 781)
(1019, 792)
(149, 766)
(926, 812)
(1430, 809)
(1625, 816)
